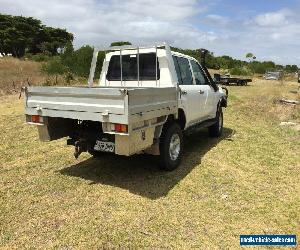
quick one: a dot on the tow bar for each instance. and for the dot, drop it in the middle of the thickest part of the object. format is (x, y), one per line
(80, 146)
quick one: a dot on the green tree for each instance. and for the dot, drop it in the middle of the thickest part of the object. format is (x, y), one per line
(249, 55)
(19, 35)
(67, 57)
(55, 39)
(120, 43)
(291, 68)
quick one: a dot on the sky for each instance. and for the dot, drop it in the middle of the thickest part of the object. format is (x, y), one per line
(270, 29)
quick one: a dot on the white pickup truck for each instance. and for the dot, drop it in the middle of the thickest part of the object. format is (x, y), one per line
(145, 100)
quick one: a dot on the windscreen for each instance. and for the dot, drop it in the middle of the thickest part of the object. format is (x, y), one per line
(130, 70)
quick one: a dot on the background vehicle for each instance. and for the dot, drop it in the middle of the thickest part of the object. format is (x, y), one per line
(273, 75)
(227, 80)
(146, 98)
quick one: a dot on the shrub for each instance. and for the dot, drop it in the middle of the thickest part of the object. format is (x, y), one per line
(38, 57)
(240, 71)
(68, 77)
(79, 61)
(41, 58)
(54, 67)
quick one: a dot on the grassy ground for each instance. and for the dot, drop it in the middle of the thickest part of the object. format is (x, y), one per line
(248, 182)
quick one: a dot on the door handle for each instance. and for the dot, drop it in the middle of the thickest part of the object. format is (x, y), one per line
(183, 92)
(201, 92)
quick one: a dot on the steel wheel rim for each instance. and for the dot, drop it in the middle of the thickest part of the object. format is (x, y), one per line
(174, 148)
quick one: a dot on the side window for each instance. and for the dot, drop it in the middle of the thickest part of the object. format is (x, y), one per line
(198, 74)
(177, 70)
(183, 71)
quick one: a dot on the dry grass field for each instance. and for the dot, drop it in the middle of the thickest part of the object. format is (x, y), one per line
(16, 73)
(247, 182)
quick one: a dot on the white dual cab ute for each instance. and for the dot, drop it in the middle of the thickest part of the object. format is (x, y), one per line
(146, 98)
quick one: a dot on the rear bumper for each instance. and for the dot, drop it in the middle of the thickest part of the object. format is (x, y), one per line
(123, 144)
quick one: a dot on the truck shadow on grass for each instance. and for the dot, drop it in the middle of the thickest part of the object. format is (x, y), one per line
(140, 174)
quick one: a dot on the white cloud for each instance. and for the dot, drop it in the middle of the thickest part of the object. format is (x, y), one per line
(278, 18)
(274, 36)
(102, 22)
(167, 10)
(216, 20)
(183, 23)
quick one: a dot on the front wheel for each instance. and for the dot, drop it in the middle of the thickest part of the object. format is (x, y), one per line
(171, 147)
(216, 129)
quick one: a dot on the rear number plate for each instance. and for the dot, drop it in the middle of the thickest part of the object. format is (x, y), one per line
(104, 146)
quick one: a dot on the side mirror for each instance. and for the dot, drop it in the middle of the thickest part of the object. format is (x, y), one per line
(217, 77)
(215, 81)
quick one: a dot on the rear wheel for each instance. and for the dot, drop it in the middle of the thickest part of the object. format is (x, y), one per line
(171, 146)
(216, 129)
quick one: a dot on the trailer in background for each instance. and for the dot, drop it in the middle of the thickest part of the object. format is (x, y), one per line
(227, 80)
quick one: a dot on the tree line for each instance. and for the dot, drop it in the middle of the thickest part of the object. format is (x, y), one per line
(78, 61)
(28, 37)
(20, 35)
(238, 67)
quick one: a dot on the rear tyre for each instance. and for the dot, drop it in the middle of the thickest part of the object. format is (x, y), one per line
(216, 129)
(171, 147)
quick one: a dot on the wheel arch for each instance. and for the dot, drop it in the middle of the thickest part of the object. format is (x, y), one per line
(222, 102)
(180, 119)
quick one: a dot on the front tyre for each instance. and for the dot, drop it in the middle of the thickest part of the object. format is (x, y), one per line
(171, 147)
(216, 129)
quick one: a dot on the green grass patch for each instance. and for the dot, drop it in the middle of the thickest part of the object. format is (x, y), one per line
(247, 182)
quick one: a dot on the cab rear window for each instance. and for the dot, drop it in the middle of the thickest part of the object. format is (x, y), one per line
(147, 69)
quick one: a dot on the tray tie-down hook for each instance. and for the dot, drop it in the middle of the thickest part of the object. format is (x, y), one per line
(123, 91)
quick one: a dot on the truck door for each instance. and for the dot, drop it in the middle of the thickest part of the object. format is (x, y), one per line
(207, 94)
(190, 92)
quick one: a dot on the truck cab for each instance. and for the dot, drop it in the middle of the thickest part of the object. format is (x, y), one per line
(199, 96)
(183, 72)
(145, 99)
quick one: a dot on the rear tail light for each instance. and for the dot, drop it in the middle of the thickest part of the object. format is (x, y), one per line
(120, 128)
(37, 119)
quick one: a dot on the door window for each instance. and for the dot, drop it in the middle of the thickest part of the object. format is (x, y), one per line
(198, 74)
(183, 71)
